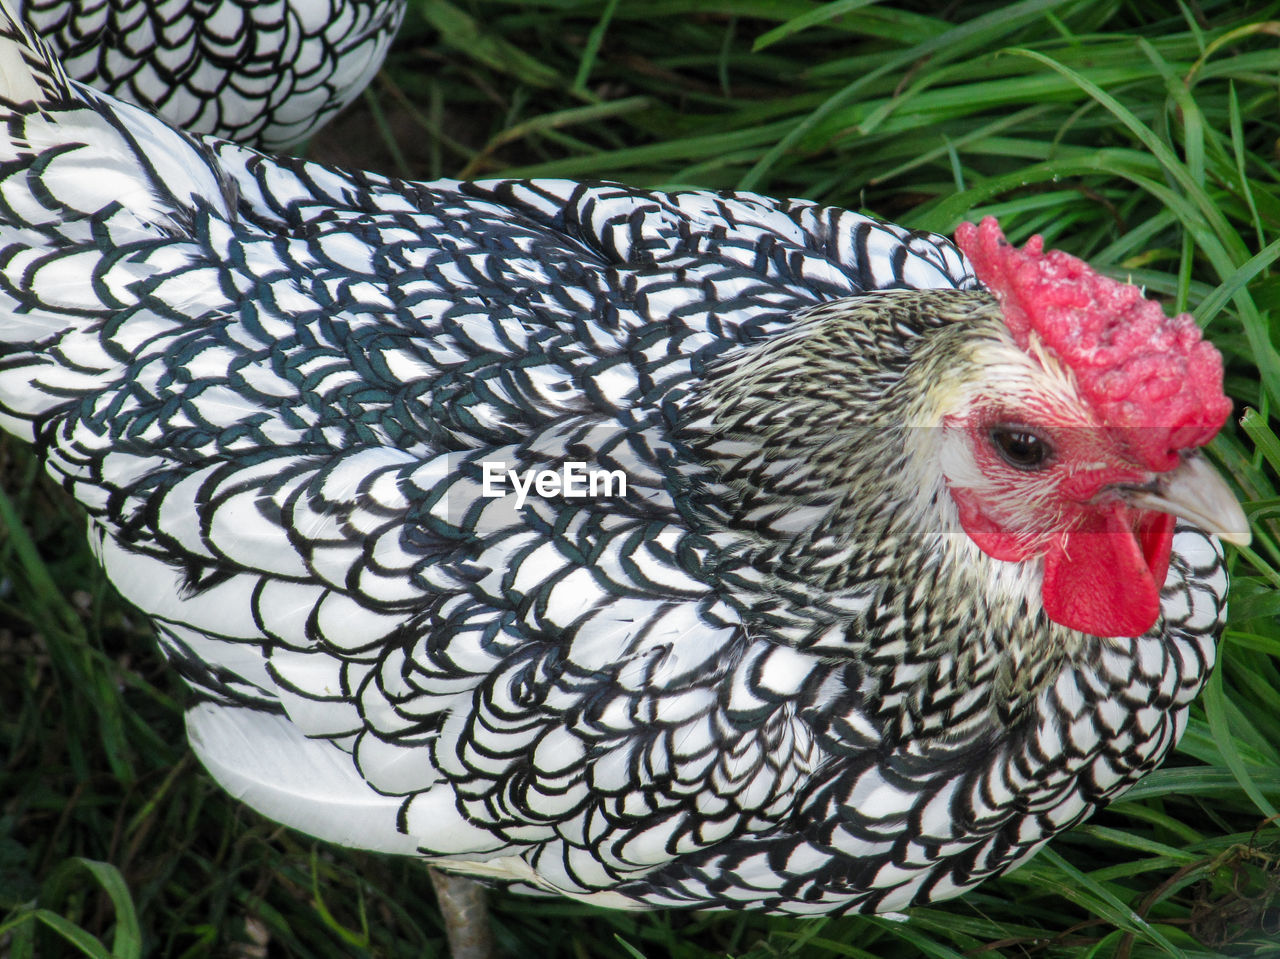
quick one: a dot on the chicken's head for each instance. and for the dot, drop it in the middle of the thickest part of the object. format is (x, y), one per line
(1080, 447)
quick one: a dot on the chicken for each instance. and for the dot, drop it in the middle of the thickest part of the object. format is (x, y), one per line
(269, 74)
(685, 550)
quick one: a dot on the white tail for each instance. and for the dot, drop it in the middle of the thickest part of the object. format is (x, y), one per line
(93, 194)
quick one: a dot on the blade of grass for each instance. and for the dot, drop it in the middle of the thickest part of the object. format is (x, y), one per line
(954, 43)
(1215, 706)
(591, 49)
(821, 14)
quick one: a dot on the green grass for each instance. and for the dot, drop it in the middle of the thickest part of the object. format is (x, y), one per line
(1139, 135)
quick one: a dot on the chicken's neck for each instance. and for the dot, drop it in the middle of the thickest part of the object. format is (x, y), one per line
(815, 476)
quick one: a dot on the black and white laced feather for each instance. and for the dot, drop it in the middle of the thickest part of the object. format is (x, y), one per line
(268, 74)
(273, 386)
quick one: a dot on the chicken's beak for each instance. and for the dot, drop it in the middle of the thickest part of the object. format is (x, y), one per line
(1196, 492)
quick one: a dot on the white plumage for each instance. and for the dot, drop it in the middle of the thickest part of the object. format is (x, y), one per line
(753, 679)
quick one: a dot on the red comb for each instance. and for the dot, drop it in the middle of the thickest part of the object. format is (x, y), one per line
(1147, 373)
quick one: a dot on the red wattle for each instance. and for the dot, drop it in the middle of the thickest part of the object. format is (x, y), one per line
(1155, 535)
(1105, 579)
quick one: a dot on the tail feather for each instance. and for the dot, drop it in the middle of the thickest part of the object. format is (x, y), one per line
(29, 74)
(99, 150)
(89, 188)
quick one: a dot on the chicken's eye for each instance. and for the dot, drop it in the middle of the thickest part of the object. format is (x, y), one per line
(1020, 447)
